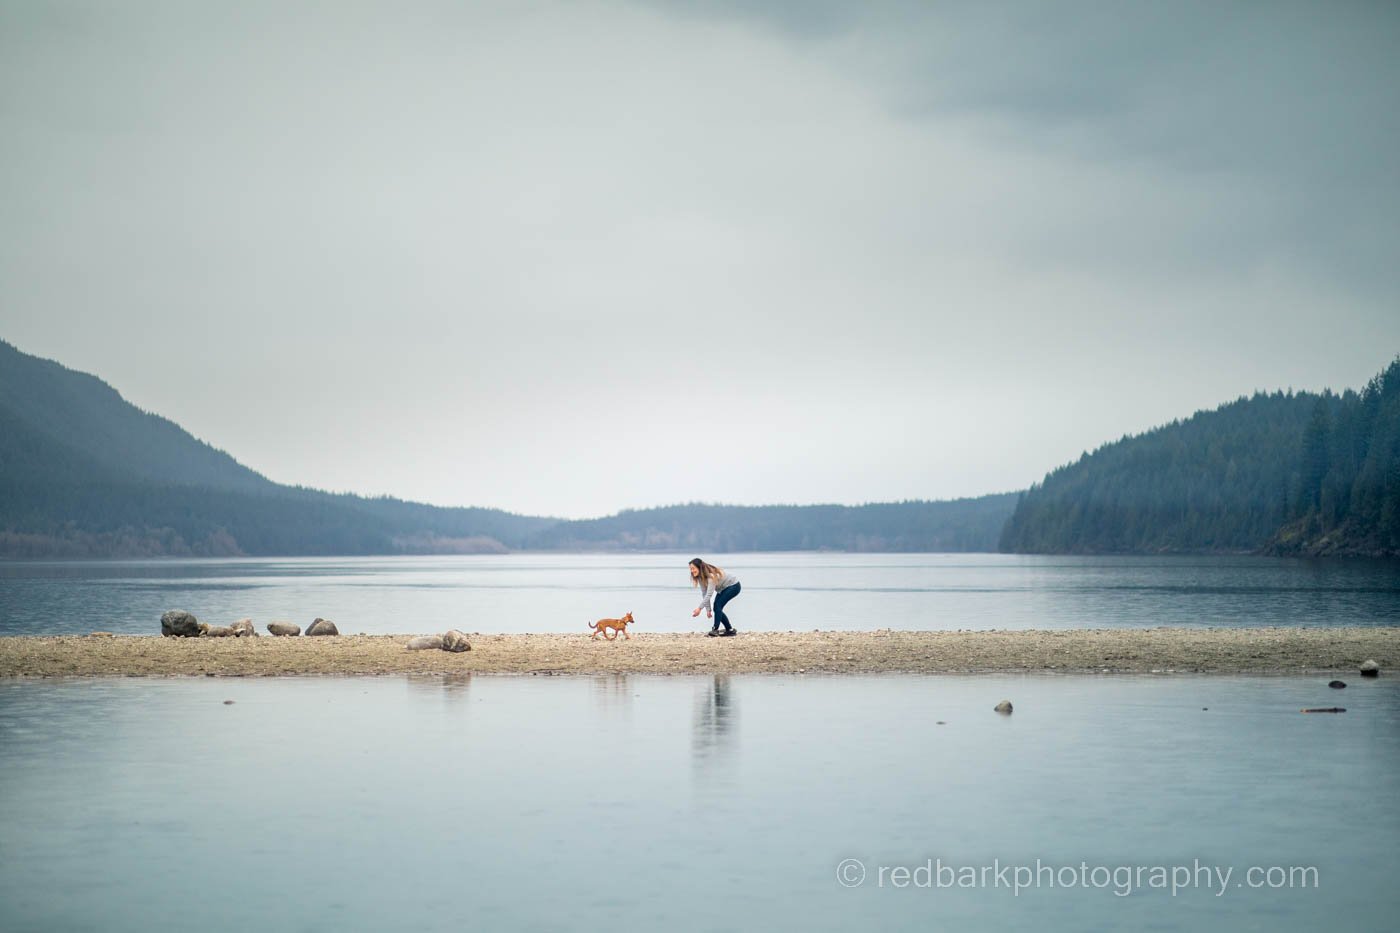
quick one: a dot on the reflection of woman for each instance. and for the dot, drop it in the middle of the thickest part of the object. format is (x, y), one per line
(725, 586)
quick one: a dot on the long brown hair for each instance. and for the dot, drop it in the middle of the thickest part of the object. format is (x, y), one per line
(707, 571)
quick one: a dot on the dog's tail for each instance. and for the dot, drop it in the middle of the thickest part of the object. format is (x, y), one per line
(593, 625)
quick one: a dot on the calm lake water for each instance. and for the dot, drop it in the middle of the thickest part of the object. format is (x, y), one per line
(782, 592)
(698, 803)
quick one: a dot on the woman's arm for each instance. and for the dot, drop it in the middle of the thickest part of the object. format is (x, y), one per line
(704, 600)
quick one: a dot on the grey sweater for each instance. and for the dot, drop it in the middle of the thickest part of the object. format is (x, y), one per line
(706, 588)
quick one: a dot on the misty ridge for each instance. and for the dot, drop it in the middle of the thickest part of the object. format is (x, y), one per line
(85, 474)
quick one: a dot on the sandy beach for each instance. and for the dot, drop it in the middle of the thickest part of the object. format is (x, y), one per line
(1159, 650)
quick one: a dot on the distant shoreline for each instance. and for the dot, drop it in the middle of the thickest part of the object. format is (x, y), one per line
(1159, 650)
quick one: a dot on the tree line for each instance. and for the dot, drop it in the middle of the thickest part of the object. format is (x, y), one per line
(1282, 472)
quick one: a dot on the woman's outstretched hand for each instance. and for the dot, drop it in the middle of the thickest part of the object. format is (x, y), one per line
(696, 612)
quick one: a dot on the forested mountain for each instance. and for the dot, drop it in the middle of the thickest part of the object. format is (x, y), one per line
(1347, 495)
(1285, 472)
(82, 414)
(85, 474)
(958, 525)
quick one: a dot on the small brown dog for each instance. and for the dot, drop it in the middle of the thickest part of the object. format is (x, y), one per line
(616, 625)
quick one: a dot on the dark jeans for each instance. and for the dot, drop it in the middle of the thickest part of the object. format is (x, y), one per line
(725, 595)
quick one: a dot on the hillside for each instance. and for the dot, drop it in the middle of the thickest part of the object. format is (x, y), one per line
(1297, 473)
(85, 474)
(959, 525)
(82, 415)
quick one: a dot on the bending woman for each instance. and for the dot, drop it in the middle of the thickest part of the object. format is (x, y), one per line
(725, 586)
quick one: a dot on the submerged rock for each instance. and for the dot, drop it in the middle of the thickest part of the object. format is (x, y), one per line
(283, 628)
(179, 624)
(322, 627)
(1370, 669)
(424, 642)
(455, 641)
(243, 628)
(1337, 684)
(1004, 707)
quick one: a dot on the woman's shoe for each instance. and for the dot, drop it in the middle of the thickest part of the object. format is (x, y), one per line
(729, 631)
(712, 633)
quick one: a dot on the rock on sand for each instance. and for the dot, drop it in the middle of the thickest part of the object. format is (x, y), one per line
(424, 642)
(455, 641)
(243, 628)
(180, 624)
(283, 628)
(322, 627)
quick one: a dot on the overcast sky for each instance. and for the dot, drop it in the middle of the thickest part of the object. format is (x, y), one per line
(565, 258)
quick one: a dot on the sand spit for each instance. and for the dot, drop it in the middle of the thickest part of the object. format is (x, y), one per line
(1159, 650)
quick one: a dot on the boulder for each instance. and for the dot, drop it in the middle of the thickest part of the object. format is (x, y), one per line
(1004, 707)
(243, 628)
(180, 624)
(322, 627)
(423, 642)
(1337, 684)
(455, 641)
(283, 628)
(217, 631)
(1370, 669)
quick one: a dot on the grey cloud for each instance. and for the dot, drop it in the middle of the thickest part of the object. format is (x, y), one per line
(1290, 109)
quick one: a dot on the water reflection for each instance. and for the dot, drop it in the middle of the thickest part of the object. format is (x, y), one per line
(612, 693)
(452, 685)
(412, 794)
(713, 738)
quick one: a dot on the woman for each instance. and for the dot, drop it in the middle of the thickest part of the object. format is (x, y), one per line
(725, 586)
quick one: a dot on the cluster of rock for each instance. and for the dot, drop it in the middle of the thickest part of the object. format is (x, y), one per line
(451, 640)
(318, 627)
(180, 624)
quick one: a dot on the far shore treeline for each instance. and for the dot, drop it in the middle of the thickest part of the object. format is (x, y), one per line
(85, 474)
